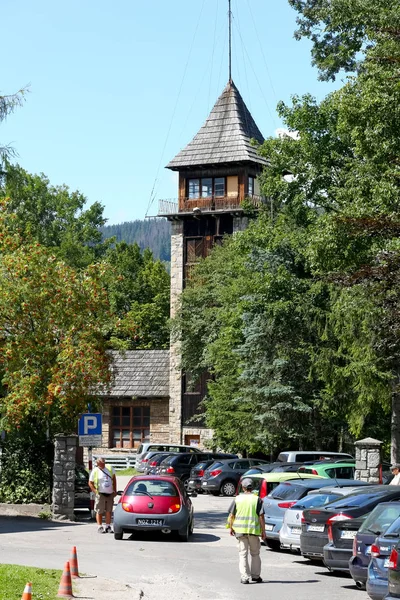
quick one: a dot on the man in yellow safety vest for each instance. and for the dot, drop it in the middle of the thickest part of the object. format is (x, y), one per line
(246, 522)
(103, 483)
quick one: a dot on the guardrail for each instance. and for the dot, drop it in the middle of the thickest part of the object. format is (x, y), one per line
(118, 462)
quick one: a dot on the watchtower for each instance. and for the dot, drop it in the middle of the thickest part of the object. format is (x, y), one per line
(218, 171)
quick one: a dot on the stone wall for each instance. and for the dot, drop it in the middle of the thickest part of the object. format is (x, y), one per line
(175, 379)
(368, 460)
(64, 476)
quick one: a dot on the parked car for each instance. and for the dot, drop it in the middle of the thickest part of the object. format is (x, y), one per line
(303, 456)
(152, 447)
(282, 498)
(148, 456)
(180, 465)
(82, 489)
(154, 461)
(264, 483)
(380, 521)
(317, 522)
(289, 534)
(154, 503)
(334, 470)
(394, 574)
(223, 476)
(377, 581)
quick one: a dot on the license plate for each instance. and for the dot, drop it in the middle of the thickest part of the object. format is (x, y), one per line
(348, 535)
(316, 528)
(386, 563)
(204, 483)
(191, 482)
(269, 527)
(368, 550)
(149, 521)
(296, 530)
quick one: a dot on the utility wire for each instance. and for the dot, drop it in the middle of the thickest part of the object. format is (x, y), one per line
(152, 195)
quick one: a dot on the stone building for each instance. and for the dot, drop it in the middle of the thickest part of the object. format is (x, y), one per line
(151, 398)
(218, 171)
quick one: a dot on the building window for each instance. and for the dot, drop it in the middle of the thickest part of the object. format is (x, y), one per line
(194, 188)
(219, 187)
(130, 426)
(207, 187)
(251, 186)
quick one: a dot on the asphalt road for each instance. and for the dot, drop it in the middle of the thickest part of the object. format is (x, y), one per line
(157, 567)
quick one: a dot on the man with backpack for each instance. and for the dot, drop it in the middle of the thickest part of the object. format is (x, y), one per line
(103, 483)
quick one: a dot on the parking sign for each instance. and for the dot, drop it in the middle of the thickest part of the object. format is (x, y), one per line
(89, 429)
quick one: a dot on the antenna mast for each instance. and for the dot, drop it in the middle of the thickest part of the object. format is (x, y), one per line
(230, 41)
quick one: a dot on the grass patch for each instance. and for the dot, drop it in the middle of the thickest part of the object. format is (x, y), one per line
(13, 578)
(131, 471)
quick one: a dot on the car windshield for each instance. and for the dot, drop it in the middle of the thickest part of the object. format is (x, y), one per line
(151, 487)
(380, 519)
(286, 491)
(316, 500)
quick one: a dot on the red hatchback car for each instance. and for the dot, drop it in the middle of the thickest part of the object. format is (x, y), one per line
(154, 503)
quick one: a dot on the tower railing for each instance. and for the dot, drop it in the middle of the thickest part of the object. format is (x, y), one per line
(214, 203)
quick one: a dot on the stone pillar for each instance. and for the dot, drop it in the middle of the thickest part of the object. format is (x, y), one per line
(64, 476)
(368, 460)
(175, 373)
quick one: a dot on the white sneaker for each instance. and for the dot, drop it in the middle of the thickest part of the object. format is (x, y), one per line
(101, 529)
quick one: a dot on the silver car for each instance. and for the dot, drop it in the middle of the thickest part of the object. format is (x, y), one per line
(289, 534)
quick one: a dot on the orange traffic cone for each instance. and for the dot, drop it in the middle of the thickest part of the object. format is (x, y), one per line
(27, 595)
(73, 563)
(65, 589)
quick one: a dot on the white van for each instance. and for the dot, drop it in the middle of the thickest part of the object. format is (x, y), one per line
(302, 456)
(153, 447)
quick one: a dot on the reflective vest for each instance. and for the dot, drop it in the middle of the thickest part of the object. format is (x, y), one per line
(96, 477)
(247, 521)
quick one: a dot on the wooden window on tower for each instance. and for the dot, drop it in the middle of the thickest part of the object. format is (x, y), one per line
(130, 426)
(194, 188)
(194, 250)
(219, 187)
(251, 186)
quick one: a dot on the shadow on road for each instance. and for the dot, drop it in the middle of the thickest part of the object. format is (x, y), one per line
(291, 581)
(156, 536)
(18, 524)
(210, 520)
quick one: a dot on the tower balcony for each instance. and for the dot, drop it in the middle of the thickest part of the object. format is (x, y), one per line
(207, 205)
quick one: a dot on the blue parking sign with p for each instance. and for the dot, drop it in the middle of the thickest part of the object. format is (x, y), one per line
(90, 424)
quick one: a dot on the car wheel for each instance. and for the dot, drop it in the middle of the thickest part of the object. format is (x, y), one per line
(185, 482)
(228, 488)
(184, 537)
(119, 535)
(273, 544)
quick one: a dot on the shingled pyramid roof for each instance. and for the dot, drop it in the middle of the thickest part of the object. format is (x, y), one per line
(225, 136)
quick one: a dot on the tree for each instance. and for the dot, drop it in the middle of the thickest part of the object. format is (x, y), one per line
(7, 105)
(54, 216)
(53, 320)
(139, 295)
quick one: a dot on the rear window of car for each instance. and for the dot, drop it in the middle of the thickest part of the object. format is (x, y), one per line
(215, 465)
(316, 500)
(341, 472)
(380, 519)
(357, 499)
(152, 488)
(394, 528)
(287, 491)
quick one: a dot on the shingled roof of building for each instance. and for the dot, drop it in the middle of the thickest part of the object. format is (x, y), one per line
(225, 137)
(140, 373)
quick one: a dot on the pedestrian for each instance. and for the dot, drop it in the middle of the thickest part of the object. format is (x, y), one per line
(396, 472)
(246, 522)
(103, 483)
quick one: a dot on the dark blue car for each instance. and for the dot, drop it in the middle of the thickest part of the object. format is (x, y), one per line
(374, 525)
(381, 549)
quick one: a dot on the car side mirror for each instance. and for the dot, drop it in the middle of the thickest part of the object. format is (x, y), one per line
(119, 493)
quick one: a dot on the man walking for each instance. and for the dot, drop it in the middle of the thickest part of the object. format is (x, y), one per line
(246, 522)
(103, 483)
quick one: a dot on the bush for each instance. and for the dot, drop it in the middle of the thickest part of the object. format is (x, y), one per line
(26, 468)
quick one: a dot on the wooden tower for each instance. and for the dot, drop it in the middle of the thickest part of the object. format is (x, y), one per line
(218, 170)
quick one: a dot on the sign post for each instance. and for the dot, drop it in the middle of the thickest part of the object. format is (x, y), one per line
(89, 431)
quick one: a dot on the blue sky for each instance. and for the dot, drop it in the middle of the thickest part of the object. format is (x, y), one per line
(117, 89)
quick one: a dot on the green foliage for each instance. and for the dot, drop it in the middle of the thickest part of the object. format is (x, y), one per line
(7, 105)
(25, 468)
(54, 216)
(139, 295)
